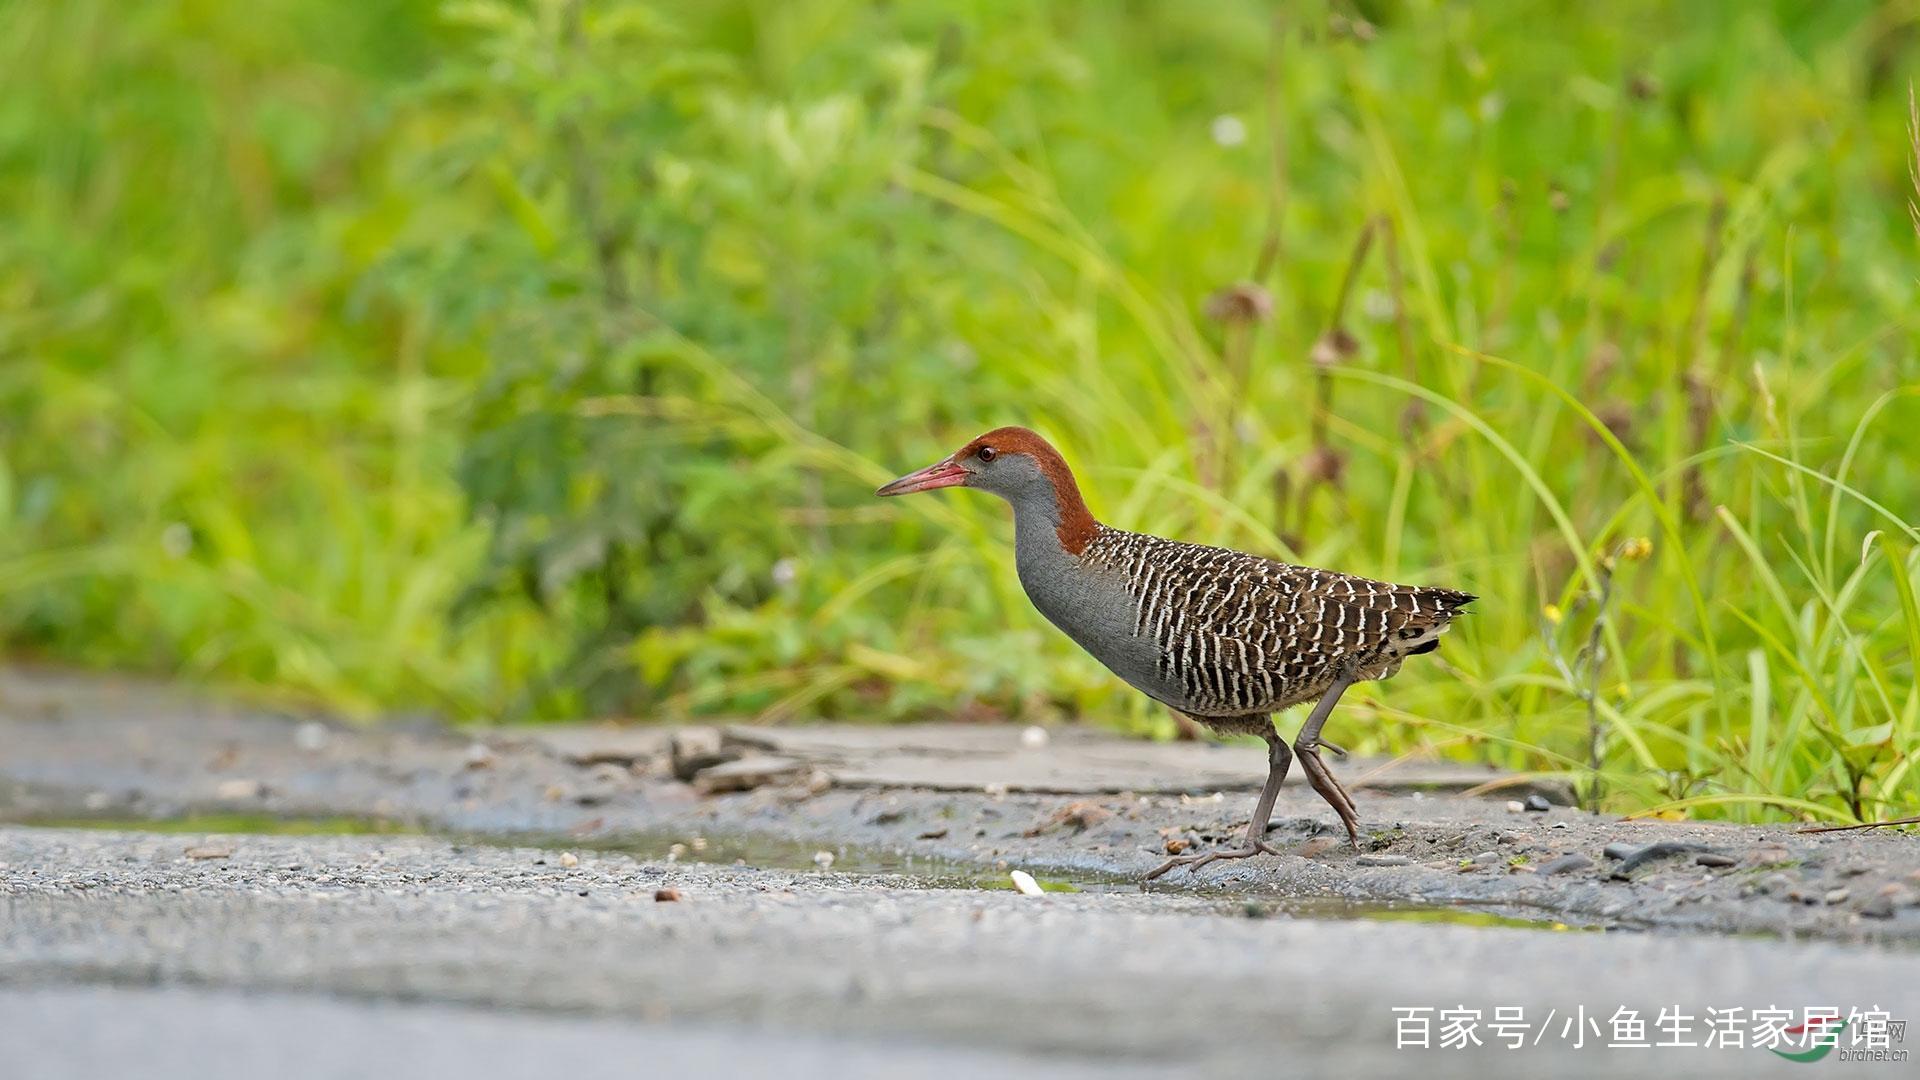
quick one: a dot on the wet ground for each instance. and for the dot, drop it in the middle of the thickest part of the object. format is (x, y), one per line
(189, 879)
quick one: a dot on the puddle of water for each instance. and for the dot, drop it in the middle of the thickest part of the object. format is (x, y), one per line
(1340, 908)
(915, 871)
(247, 824)
(908, 870)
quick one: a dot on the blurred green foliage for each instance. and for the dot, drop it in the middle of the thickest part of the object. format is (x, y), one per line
(538, 358)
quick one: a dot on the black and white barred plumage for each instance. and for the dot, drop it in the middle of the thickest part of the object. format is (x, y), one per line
(1242, 634)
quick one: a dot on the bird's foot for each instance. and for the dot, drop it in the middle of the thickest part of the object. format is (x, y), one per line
(1329, 789)
(1199, 859)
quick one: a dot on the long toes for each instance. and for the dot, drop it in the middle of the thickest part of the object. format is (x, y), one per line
(1329, 788)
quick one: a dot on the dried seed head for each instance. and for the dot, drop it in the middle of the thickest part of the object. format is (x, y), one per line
(1325, 465)
(1241, 302)
(1334, 348)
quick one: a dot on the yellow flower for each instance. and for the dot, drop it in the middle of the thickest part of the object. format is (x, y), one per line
(1552, 613)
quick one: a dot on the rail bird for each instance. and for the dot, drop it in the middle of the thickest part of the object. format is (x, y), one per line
(1221, 636)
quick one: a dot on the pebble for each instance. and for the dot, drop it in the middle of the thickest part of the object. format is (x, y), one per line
(1714, 858)
(1837, 896)
(934, 834)
(1317, 847)
(1375, 860)
(1538, 803)
(311, 737)
(1025, 883)
(1034, 738)
(666, 895)
(1177, 844)
(479, 756)
(1515, 806)
(239, 790)
(1566, 864)
(1899, 895)
(210, 851)
(1878, 907)
(569, 860)
(823, 859)
(1487, 858)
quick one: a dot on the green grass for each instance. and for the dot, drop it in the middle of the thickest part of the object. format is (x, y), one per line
(538, 359)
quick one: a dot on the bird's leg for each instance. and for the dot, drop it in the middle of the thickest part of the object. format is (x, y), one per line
(1279, 759)
(1307, 745)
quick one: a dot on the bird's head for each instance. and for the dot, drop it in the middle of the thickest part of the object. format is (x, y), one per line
(1023, 469)
(1011, 462)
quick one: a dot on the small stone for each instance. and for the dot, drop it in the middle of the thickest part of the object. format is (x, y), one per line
(1486, 858)
(1566, 864)
(1514, 838)
(239, 790)
(666, 896)
(311, 737)
(1560, 825)
(1383, 860)
(1515, 806)
(1034, 738)
(995, 791)
(1714, 858)
(569, 860)
(823, 859)
(1878, 907)
(1899, 895)
(934, 834)
(746, 774)
(1024, 882)
(210, 850)
(693, 749)
(1837, 896)
(1619, 850)
(1177, 844)
(1317, 847)
(1538, 803)
(97, 801)
(479, 756)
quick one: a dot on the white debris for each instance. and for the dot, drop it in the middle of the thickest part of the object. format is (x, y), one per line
(1035, 738)
(569, 860)
(312, 737)
(1025, 883)
(995, 791)
(239, 790)
(1515, 806)
(1229, 130)
(823, 859)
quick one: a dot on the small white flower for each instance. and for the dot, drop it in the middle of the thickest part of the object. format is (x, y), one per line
(177, 540)
(1229, 130)
(786, 572)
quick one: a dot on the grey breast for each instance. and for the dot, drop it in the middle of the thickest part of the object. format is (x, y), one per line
(1093, 605)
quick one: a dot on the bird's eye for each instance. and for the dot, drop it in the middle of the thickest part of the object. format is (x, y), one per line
(987, 453)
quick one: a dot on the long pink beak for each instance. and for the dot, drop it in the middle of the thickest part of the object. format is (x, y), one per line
(937, 475)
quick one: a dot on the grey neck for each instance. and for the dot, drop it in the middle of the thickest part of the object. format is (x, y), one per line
(1036, 528)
